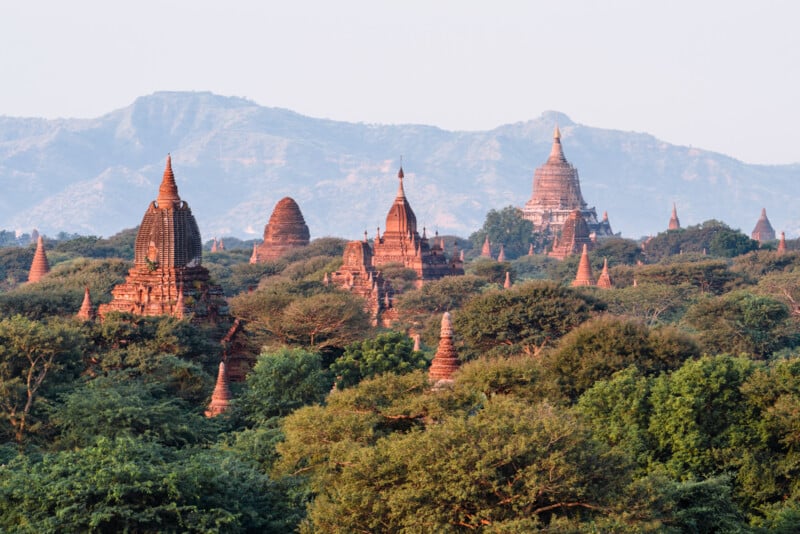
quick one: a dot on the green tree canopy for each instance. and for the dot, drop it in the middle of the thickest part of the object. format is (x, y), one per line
(505, 227)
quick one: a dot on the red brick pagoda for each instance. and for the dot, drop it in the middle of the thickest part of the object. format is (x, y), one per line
(39, 266)
(285, 231)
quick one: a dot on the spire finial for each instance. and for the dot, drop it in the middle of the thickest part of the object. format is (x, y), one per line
(168, 191)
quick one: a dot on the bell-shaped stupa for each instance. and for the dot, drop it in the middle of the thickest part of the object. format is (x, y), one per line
(285, 231)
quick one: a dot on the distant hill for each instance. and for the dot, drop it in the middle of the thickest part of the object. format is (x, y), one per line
(234, 159)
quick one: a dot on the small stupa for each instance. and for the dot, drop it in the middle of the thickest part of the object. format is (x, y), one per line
(782, 243)
(221, 398)
(604, 280)
(445, 361)
(674, 222)
(501, 256)
(39, 266)
(507, 283)
(86, 312)
(486, 251)
(763, 232)
(530, 250)
(286, 231)
(254, 255)
(584, 276)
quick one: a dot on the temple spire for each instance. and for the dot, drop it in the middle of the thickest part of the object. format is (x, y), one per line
(584, 276)
(501, 256)
(556, 152)
(168, 191)
(86, 313)
(486, 251)
(674, 222)
(507, 283)
(604, 280)
(39, 265)
(445, 362)
(401, 193)
(782, 243)
(220, 399)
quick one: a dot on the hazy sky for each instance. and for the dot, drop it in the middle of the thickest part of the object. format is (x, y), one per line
(721, 75)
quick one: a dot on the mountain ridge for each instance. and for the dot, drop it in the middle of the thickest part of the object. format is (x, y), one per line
(234, 159)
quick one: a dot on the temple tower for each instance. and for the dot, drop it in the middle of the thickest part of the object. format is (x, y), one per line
(358, 276)
(86, 312)
(486, 250)
(285, 231)
(782, 243)
(167, 257)
(445, 361)
(574, 236)
(402, 244)
(584, 276)
(604, 280)
(674, 222)
(39, 266)
(501, 256)
(557, 193)
(763, 232)
(221, 398)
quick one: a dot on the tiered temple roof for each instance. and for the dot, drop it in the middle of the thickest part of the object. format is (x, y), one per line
(763, 231)
(167, 256)
(674, 222)
(402, 244)
(285, 231)
(557, 193)
(445, 361)
(584, 276)
(358, 275)
(39, 266)
(574, 236)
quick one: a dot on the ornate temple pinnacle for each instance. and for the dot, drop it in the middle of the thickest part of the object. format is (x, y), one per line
(400, 191)
(168, 190)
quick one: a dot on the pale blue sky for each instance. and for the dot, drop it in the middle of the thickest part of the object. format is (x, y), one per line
(719, 75)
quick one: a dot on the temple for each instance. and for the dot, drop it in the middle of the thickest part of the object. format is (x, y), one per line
(674, 222)
(39, 266)
(167, 278)
(445, 362)
(763, 232)
(584, 276)
(221, 398)
(604, 280)
(86, 313)
(574, 237)
(285, 231)
(557, 194)
(401, 244)
(358, 276)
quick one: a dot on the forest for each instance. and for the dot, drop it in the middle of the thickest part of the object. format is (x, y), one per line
(669, 403)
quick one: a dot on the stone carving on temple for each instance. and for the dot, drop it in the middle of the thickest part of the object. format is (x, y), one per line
(401, 244)
(574, 236)
(445, 362)
(584, 275)
(557, 194)
(285, 231)
(39, 266)
(763, 232)
(674, 222)
(167, 277)
(221, 398)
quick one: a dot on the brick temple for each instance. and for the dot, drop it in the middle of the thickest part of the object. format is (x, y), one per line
(285, 231)
(167, 277)
(763, 232)
(557, 194)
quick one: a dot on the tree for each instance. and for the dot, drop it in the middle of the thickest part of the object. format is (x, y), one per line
(711, 237)
(32, 356)
(324, 320)
(524, 318)
(506, 227)
(391, 352)
(650, 302)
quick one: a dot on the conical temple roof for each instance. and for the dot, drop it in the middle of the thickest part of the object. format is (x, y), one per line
(556, 151)
(39, 266)
(486, 251)
(220, 399)
(763, 231)
(445, 362)
(168, 190)
(401, 218)
(86, 312)
(584, 276)
(604, 280)
(674, 222)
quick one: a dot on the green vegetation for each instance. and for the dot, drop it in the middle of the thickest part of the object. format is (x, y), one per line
(667, 404)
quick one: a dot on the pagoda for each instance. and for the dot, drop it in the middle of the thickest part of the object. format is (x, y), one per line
(604, 280)
(167, 278)
(574, 236)
(557, 194)
(402, 244)
(39, 266)
(674, 222)
(285, 231)
(86, 313)
(584, 276)
(782, 243)
(358, 276)
(445, 362)
(221, 398)
(763, 231)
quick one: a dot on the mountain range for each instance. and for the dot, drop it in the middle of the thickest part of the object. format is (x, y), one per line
(234, 159)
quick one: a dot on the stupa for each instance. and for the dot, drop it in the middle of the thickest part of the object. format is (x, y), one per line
(39, 266)
(604, 280)
(674, 222)
(285, 231)
(86, 312)
(221, 398)
(501, 256)
(584, 276)
(445, 361)
(763, 231)
(557, 194)
(574, 236)
(486, 250)
(782, 243)
(166, 264)
(402, 244)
